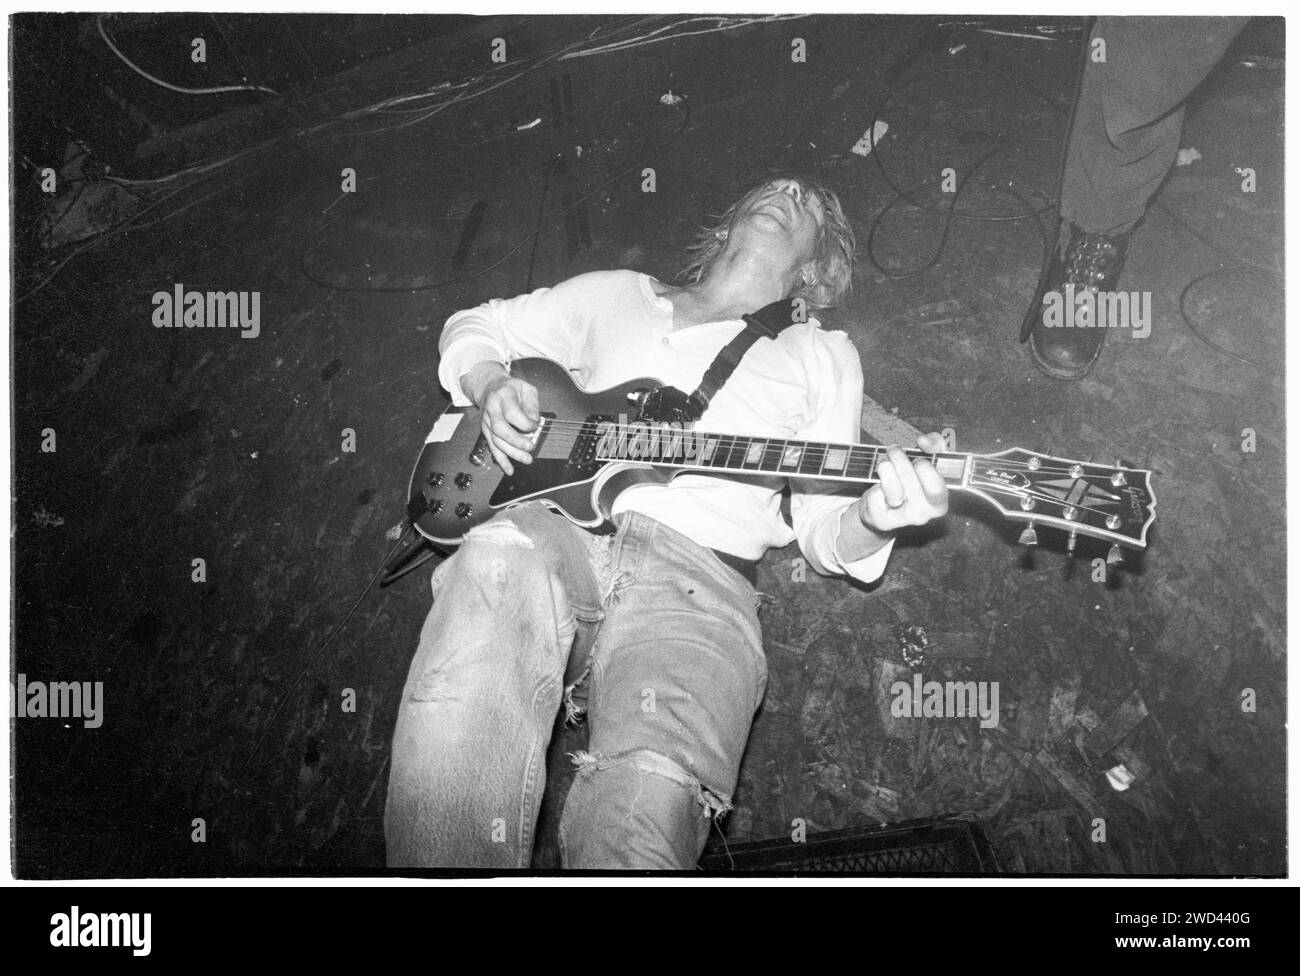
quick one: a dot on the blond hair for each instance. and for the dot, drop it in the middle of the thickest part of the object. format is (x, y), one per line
(835, 245)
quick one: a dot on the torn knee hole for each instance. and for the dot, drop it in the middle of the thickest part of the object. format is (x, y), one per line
(573, 712)
(656, 764)
(614, 589)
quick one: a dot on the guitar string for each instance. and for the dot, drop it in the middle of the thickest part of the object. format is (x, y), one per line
(815, 447)
(733, 439)
(585, 428)
(1055, 501)
(728, 442)
(868, 465)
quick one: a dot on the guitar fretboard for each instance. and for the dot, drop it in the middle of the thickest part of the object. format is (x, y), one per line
(735, 454)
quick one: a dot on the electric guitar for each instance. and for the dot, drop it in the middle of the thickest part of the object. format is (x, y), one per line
(590, 447)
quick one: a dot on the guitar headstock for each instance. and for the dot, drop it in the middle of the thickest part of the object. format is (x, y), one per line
(1104, 501)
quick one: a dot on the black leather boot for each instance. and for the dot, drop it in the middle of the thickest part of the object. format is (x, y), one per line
(1089, 262)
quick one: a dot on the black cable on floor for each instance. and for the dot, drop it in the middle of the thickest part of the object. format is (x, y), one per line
(951, 212)
(1187, 319)
(394, 576)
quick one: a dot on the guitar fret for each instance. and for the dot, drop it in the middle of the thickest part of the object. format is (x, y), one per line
(723, 458)
(791, 455)
(836, 459)
(811, 462)
(771, 456)
(745, 448)
(858, 462)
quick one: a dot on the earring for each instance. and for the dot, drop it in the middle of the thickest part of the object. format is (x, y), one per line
(721, 234)
(809, 279)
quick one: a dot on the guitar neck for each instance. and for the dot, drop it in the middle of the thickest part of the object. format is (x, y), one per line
(740, 455)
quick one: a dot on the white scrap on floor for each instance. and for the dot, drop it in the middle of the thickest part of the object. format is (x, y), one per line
(863, 146)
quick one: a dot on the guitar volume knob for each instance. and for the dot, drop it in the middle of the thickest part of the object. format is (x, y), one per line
(463, 481)
(464, 510)
(435, 479)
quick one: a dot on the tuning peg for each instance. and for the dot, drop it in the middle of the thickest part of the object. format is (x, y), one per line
(1029, 537)
(1115, 556)
(1069, 545)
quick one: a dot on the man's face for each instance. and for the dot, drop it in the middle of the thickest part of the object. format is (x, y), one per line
(785, 213)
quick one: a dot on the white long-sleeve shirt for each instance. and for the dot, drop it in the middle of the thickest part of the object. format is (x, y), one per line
(608, 327)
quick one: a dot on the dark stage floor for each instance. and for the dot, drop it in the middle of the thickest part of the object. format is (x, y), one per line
(180, 444)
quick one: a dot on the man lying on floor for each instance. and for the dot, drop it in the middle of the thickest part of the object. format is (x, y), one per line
(660, 632)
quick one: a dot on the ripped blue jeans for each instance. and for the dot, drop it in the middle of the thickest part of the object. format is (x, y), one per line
(532, 612)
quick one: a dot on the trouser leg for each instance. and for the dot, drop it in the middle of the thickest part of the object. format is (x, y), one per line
(482, 693)
(677, 673)
(1129, 117)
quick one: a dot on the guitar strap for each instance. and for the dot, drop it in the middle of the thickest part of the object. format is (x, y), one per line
(668, 403)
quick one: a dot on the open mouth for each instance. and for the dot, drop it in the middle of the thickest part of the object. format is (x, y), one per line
(779, 206)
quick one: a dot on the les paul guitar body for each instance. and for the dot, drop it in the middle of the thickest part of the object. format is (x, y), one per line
(583, 457)
(459, 485)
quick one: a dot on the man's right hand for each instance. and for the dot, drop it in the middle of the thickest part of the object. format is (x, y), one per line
(511, 410)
